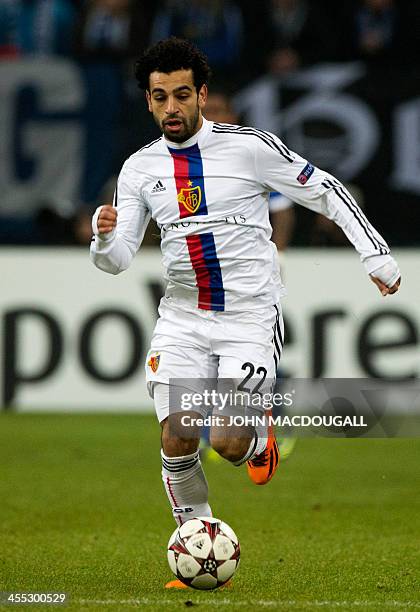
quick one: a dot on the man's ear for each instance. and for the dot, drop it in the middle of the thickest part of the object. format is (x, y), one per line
(202, 96)
(149, 101)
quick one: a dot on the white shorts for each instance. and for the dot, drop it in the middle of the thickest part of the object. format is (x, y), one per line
(190, 344)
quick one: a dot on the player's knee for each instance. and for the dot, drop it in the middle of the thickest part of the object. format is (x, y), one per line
(176, 442)
(178, 447)
(232, 449)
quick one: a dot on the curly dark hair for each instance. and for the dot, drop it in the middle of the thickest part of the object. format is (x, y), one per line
(169, 55)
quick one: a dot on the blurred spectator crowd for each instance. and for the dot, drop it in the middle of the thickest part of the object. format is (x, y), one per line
(244, 35)
(242, 38)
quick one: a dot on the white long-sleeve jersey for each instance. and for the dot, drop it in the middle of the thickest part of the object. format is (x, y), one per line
(209, 197)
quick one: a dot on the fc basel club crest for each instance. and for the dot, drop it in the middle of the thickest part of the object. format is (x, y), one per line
(154, 361)
(190, 198)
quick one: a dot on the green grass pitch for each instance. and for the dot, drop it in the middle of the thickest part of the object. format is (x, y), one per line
(83, 510)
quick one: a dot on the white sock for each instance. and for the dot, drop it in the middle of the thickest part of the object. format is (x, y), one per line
(262, 435)
(186, 486)
(257, 445)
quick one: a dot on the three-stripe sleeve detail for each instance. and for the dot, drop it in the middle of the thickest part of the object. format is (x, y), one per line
(266, 137)
(348, 201)
(277, 339)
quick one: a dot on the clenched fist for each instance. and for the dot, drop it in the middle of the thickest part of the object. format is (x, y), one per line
(104, 220)
(383, 288)
(387, 277)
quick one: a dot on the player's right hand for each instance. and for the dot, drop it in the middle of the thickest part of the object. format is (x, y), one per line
(106, 220)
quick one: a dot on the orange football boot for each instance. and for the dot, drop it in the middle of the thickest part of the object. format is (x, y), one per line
(175, 584)
(262, 467)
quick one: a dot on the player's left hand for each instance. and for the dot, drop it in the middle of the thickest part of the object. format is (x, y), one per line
(383, 288)
(387, 277)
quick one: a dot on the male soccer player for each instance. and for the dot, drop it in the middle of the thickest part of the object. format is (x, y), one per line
(207, 185)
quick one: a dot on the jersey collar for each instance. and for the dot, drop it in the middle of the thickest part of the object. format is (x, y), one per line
(198, 138)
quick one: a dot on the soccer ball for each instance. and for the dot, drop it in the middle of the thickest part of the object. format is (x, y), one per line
(203, 553)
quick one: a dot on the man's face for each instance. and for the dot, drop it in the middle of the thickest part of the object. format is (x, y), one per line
(175, 103)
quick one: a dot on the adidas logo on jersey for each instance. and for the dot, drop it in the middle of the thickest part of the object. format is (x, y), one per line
(158, 187)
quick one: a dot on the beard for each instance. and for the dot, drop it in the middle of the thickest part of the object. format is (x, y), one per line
(187, 128)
